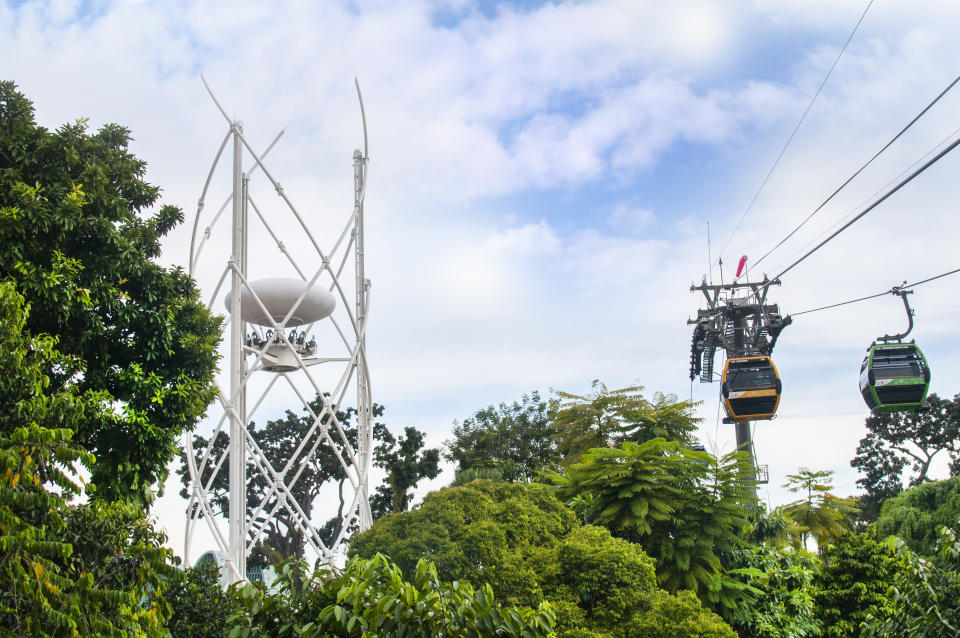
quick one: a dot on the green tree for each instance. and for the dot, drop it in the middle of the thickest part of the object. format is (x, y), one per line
(606, 418)
(784, 606)
(925, 594)
(469, 475)
(898, 440)
(406, 463)
(520, 540)
(855, 573)
(82, 570)
(677, 616)
(199, 606)
(514, 439)
(917, 515)
(76, 238)
(480, 533)
(686, 508)
(372, 598)
(820, 514)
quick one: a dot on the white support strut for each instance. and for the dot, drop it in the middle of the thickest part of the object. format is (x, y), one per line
(260, 352)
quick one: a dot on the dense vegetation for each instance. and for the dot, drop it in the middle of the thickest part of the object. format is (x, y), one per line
(594, 515)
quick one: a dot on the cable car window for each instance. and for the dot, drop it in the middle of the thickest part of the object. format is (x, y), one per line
(889, 363)
(751, 376)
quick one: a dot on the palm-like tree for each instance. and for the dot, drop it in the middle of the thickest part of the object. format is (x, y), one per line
(605, 418)
(820, 514)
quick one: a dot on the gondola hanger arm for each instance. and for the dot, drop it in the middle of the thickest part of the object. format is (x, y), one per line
(900, 292)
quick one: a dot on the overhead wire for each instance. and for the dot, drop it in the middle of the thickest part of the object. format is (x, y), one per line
(879, 294)
(936, 158)
(795, 129)
(876, 193)
(859, 170)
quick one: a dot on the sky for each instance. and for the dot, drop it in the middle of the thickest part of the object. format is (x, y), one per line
(543, 176)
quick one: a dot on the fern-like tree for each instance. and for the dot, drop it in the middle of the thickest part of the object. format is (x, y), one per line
(820, 514)
(686, 508)
(604, 418)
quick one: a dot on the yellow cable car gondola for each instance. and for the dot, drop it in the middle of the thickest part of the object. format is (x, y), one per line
(751, 388)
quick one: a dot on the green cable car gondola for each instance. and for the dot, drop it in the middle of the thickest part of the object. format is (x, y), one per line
(894, 375)
(751, 388)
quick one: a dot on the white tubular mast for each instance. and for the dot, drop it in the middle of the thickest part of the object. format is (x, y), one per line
(273, 359)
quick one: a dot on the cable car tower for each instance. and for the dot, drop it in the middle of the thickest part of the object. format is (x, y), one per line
(302, 337)
(739, 321)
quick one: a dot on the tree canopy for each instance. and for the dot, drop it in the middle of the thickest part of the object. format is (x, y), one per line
(917, 515)
(923, 600)
(76, 238)
(686, 508)
(853, 582)
(523, 542)
(64, 570)
(406, 463)
(818, 514)
(606, 418)
(373, 598)
(514, 439)
(900, 440)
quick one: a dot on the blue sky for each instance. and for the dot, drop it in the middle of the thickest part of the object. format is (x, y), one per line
(542, 176)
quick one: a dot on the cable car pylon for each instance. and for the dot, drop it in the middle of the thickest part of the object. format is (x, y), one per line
(746, 328)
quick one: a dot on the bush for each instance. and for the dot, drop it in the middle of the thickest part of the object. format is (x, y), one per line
(371, 598)
(199, 606)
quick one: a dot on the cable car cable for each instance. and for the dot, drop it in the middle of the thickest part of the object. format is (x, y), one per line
(931, 279)
(797, 128)
(876, 193)
(843, 303)
(936, 158)
(859, 170)
(879, 294)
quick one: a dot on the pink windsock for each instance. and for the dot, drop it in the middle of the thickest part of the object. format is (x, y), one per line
(743, 262)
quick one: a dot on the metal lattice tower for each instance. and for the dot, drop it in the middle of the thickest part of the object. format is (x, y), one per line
(740, 324)
(272, 346)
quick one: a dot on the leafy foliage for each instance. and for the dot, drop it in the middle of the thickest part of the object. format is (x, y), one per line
(74, 238)
(852, 582)
(471, 474)
(821, 514)
(371, 598)
(605, 418)
(679, 616)
(684, 507)
(406, 463)
(924, 601)
(199, 606)
(897, 440)
(512, 439)
(64, 570)
(917, 515)
(481, 533)
(522, 542)
(784, 608)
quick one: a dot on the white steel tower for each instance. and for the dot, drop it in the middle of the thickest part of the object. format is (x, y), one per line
(298, 338)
